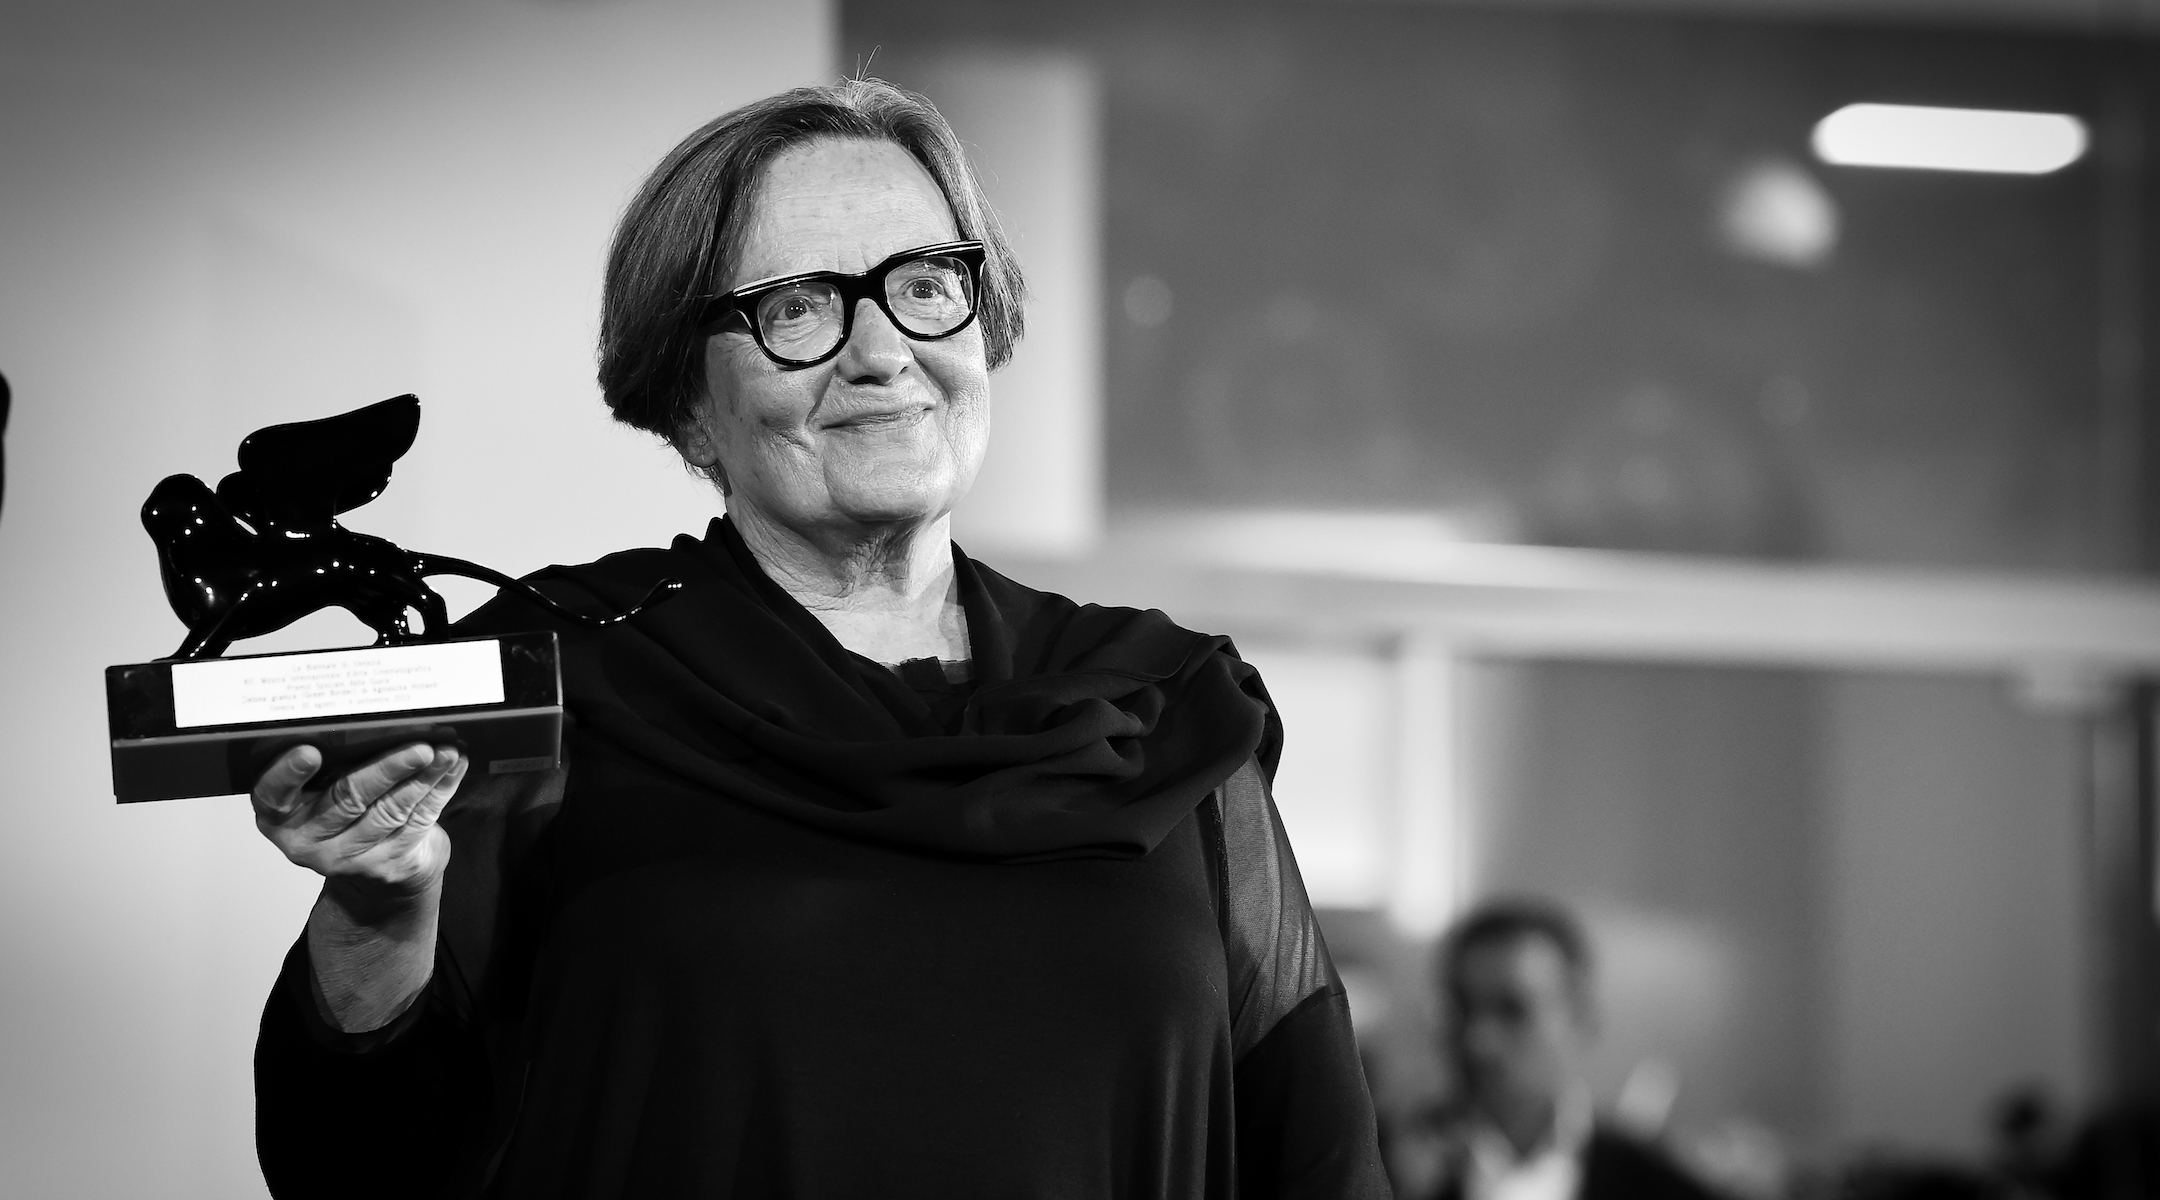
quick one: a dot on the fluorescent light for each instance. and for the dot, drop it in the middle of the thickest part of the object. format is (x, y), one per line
(1775, 212)
(1950, 139)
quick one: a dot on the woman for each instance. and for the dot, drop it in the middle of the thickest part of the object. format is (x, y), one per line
(869, 871)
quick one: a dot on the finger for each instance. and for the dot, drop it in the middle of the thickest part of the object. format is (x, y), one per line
(423, 819)
(394, 808)
(430, 808)
(279, 788)
(420, 791)
(352, 796)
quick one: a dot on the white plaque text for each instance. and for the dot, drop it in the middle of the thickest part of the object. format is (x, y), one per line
(336, 683)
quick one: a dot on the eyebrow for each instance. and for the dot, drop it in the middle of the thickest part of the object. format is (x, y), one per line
(904, 250)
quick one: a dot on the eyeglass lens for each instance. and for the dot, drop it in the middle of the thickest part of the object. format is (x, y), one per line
(925, 296)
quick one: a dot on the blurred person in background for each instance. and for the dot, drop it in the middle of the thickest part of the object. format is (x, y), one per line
(1516, 977)
(2115, 1155)
(1891, 1180)
(869, 872)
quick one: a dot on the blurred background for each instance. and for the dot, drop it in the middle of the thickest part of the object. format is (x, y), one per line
(1626, 501)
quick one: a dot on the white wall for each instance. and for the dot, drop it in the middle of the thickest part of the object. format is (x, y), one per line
(218, 215)
(1957, 963)
(1031, 120)
(1849, 906)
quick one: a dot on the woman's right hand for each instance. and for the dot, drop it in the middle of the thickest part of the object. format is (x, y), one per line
(372, 833)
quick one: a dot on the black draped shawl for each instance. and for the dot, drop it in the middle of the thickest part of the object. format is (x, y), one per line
(776, 931)
(1092, 730)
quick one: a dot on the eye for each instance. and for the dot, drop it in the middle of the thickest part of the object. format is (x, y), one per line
(808, 305)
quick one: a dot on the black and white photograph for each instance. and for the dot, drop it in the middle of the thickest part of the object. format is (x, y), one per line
(1130, 600)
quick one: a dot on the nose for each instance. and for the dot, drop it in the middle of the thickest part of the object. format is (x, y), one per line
(876, 351)
(1483, 1040)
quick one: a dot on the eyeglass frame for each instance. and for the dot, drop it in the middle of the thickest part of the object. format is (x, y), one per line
(854, 289)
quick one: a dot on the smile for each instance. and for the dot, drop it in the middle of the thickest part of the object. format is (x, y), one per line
(881, 418)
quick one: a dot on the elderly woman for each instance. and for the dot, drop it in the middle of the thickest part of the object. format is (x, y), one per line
(869, 872)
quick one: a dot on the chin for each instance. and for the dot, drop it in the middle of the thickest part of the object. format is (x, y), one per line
(896, 492)
(891, 507)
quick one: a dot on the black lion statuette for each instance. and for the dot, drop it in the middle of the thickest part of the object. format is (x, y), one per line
(266, 549)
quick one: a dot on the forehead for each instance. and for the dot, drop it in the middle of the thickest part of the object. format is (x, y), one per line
(1526, 968)
(840, 205)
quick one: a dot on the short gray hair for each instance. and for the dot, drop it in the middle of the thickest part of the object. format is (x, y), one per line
(678, 241)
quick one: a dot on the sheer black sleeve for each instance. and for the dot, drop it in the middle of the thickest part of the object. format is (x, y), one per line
(408, 1109)
(1304, 1118)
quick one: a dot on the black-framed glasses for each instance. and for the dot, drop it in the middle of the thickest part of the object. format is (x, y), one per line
(928, 293)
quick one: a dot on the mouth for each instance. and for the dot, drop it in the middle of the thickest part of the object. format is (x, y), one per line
(879, 418)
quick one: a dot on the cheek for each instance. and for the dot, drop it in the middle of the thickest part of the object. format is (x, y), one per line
(966, 385)
(967, 427)
(745, 395)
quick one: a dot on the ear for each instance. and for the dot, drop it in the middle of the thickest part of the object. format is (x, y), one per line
(701, 453)
(1589, 1019)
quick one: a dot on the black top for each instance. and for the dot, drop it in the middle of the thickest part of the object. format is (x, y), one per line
(943, 685)
(665, 987)
(1616, 1166)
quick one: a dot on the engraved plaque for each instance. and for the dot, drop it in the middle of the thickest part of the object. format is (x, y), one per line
(209, 727)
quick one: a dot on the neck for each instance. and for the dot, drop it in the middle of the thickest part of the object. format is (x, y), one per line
(1526, 1123)
(886, 592)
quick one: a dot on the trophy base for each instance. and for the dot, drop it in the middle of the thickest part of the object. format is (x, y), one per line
(210, 727)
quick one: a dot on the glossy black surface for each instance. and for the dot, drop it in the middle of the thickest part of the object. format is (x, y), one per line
(266, 549)
(139, 696)
(155, 758)
(4, 399)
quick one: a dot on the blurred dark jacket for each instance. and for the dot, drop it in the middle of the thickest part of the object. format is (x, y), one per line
(1615, 1166)
(2116, 1157)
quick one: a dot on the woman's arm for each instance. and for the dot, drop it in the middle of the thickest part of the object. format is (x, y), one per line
(368, 966)
(1304, 1117)
(385, 1030)
(374, 838)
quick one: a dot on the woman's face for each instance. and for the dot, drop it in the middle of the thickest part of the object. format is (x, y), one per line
(891, 430)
